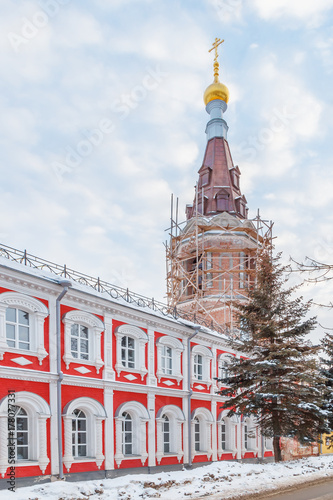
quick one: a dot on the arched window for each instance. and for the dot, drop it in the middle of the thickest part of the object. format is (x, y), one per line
(83, 333)
(79, 434)
(226, 439)
(21, 434)
(249, 435)
(131, 418)
(197, 434)
(131, 351)
(128, 352)
(83, 419)
(169, 420)
(127, 430)
(202, 421)
(224, 373)
(223, 435)
(201, 365)
(23, 426)
(166, 433)
(22, 325)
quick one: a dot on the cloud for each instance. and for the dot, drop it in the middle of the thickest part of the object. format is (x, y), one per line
(304, 10)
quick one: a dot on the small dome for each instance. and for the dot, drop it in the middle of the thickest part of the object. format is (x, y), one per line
(216, 90)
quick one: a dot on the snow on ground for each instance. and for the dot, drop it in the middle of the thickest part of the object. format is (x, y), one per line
(228, 478)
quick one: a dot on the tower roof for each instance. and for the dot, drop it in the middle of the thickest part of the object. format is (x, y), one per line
(218, 186)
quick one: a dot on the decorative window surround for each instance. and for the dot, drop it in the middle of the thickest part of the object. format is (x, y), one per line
(177, 349)
(95, 414)
(140, 417)
(206, 421)
(252, 430)
(230, 428)
(176, 418)
(38, 412)
(140, 339)
(95, 327)
(207, 357)
(37, 312)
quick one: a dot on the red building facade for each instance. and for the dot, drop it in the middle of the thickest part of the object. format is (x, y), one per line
(137, 388)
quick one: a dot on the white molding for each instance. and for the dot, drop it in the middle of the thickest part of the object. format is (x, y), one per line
(37, 314)
(176, 418)
(207, 357)
(140, 340)
(206, 420)
(95, 328)
(38, 412)
(140, 416)
(177, 349)
(95, 414)
(231, 424)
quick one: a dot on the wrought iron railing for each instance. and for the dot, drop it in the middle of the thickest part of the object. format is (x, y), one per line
(114, 291)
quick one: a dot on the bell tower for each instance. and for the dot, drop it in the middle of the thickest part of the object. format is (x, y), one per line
(211, 256)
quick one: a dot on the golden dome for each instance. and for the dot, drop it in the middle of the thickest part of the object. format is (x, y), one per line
(216, 90)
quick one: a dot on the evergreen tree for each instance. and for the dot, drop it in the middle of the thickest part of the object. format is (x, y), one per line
(278, 380)
(327, 372)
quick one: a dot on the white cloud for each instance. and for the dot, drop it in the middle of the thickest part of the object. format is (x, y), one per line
(299, 9)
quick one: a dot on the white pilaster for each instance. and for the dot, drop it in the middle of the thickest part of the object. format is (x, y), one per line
(151, 357)
(109, 373)
(214, 432)
(151, 430)
(109, 432)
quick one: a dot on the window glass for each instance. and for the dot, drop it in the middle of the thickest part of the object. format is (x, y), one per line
(80, 341)
(17, 328)
(198, 367)
(166, 434)
(128, 352)
(166, 358)
(127, 434)
(196, 434)
(79, 434)
(21, 436)
(223, 435)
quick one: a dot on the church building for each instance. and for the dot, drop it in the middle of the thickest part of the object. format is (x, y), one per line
(97, 381)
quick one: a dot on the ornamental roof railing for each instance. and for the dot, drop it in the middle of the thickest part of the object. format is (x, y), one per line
(114, 291)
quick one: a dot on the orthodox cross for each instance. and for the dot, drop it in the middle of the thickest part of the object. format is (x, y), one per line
(217, 42)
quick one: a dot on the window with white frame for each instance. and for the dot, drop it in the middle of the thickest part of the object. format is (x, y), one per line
(22, 325)
(250, 434)
(83, 333)
(27, 417)
(169, 432)
(198, 366)
(128, 352)
(83, 419)
(201, 365)
(169, 351)
(131, 421)
(79, 434)
(131, 350)
(202, 421)
(127, 434)
(224, 373)
(226, 442)
(79, 341)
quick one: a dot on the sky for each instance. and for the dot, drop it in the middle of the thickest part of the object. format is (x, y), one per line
(103, 118)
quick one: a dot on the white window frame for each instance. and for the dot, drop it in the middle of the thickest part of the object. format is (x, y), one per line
(140, 417)
(252, 439)
(140, 340)
(207, 357)
(176, 348)
(176, 420)
(38, 412)
(206, 421)
(95, 328)
(76, 432)
(222, 358)
(230, 426)
(95, 414)
(37, 314)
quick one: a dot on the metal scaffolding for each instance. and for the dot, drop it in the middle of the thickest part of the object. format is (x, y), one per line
(211, 262)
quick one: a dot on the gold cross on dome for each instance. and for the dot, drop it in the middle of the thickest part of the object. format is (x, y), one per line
(217, 42)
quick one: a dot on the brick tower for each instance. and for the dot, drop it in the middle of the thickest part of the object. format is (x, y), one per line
(211, 256)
